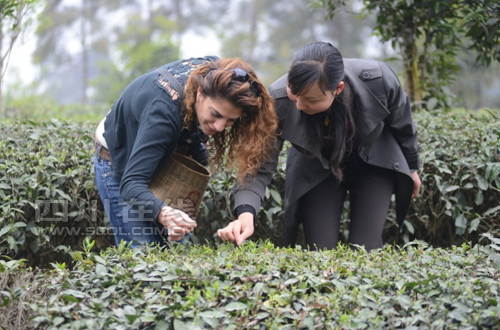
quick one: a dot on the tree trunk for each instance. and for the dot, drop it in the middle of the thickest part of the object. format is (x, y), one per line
(150, 15)
(85, 59)
(253, 30)
(179, 21)
(478, 90)
(412, 72)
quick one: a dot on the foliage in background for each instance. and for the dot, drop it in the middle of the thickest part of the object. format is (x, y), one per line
(13, 16)
(429, 34)
(258, 286)
(105, 44)
(241, 30)
(461, 176)
(144, 44)
(117, 41)
(459, 201)
(26, 105)
(266, 33)
(476, 84)
(84, 21)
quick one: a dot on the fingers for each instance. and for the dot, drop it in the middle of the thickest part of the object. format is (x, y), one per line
(181, 218)
(247, 227)
(226, 233)
(174, 217)
(176, 235)
(237, 232)
(177, 223)
(177, 231)
(247, 232)
(416, 190)
(417, 183)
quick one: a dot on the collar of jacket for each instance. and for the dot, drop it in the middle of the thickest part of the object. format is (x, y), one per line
(304, 131)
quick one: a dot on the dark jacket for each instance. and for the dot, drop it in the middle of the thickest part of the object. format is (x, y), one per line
(144, 127)
(386, 138)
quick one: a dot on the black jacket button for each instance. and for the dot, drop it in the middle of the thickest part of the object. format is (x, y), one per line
(365, 75)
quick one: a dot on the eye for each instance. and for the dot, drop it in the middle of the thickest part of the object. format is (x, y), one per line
(216, 115)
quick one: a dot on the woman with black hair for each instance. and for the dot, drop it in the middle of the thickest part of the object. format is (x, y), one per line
(349, 123)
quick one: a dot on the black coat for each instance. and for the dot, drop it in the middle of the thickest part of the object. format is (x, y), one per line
(386, 138)
(145, 126)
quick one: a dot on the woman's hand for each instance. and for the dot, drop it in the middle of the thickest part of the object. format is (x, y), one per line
(238, 230)
(177, 223)
(416, 184)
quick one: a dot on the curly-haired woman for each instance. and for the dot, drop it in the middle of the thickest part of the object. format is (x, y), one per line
(182, 106)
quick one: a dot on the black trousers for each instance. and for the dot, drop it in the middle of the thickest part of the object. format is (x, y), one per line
(370, 189)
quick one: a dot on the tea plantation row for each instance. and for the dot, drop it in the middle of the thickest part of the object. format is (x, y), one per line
(48, 202)
(259, 286)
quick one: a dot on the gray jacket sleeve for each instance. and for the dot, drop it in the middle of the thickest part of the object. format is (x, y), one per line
(399, 119)
(252, 191)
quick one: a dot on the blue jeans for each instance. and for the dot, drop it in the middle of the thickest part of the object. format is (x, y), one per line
(128, 224)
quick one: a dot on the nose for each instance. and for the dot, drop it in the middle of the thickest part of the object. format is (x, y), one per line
(220, 124)
(299, 104)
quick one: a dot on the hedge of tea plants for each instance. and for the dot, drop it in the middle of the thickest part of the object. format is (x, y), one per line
(259, 286)
(48, 202)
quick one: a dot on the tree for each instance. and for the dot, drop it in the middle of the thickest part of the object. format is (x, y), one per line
(61, 22)
(267, 32)
(118, 39)
(13, 14)
(429, 34)
(152, 37)
(141, 45)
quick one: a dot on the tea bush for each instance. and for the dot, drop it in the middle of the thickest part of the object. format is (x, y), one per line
(461, 166)
(48, 202)
(47, 198)
(259, 286)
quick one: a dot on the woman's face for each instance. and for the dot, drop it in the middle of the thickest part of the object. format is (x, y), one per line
(215, 114)
(314, 100)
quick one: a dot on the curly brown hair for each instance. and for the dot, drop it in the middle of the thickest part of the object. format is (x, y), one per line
(248, 142)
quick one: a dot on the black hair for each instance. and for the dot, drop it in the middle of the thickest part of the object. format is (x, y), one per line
(322, 62)
(317, 62)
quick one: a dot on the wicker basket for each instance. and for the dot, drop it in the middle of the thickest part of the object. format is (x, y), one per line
(180, 182)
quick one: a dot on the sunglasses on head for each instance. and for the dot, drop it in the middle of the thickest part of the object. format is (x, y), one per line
(240, 75)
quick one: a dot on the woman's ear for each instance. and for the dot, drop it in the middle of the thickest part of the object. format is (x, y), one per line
(340, 87)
